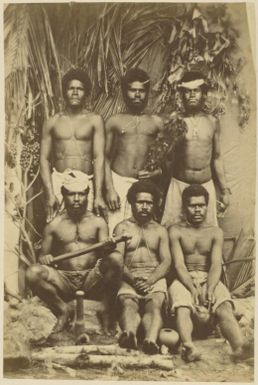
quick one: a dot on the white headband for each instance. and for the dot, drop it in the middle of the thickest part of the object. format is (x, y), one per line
(76, 181)
(191, 85)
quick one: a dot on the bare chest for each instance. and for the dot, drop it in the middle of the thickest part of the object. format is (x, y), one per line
(81, 233)
(199, 129)
(136, 127)
(196, 243)
(79, 128)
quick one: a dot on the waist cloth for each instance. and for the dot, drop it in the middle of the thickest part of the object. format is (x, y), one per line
(67, 282)
(180, 296)
(159, 286)
(121, 185)
(173, 205)
(58, 179)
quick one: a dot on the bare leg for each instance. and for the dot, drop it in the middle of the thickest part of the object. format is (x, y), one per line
(152, 323)
(185, 329)
(232, 333)
(111, 269)
(36, 277)
(129, 322)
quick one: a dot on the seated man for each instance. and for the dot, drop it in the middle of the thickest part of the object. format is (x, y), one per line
(73, 229)
(196, 247)
(146, 263)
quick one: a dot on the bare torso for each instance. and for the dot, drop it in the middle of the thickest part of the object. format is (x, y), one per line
(72, 142)
(141, 254)
(196, 244)
(70, 236)
(194, 151)
(133, 134)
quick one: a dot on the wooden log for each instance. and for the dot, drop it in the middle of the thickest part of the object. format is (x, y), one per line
(89, 349)
(85, 360)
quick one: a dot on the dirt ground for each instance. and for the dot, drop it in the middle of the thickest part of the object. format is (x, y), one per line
(215, 366)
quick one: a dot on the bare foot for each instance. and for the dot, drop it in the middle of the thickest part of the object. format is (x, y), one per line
(243, 353)
(150, 347)
(127, 340)
(62, 321)
(190, 353)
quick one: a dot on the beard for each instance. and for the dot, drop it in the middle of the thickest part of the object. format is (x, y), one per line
(76, 212)
(136, 108)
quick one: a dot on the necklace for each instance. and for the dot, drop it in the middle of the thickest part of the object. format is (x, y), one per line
(136, 122)
(194, 123)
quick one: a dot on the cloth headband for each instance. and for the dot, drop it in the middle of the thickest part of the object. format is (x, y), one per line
(76, 181)
(191, 85)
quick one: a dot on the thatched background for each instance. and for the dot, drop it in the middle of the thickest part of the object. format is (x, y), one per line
(43, 40)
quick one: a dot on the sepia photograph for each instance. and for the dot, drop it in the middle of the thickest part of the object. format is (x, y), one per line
(129, 191)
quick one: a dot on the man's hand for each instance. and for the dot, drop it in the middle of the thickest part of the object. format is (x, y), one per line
(113, 200)
(46, 259)
(195, 295)
(142, 286)
(100, 208)
(52, 205)
(209, 298)
(224, 198)
(109, 246)
(144, 174)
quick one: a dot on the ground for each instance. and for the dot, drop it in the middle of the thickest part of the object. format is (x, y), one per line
(215, 365)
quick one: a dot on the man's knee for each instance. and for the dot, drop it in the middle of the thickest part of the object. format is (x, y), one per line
(34, 273)
(126, 302)
(224, 310)
(157, 301)
(111, 264)
(183, 311)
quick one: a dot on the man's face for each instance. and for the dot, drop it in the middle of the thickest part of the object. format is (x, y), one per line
(193, 99)
(136, 96)
(143, 207)
(75, 202)
(195, 210)
(75, 93)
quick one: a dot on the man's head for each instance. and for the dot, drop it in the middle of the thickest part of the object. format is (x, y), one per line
(195, 199)
(75, 189)
(76, 85)
(135, 87)
(194, 89)
(144, 198)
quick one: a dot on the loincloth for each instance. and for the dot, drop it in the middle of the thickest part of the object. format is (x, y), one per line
(180, 296)
(173, 205)
(121, 185)
(58, 179)
(158, 287)
(68, 282)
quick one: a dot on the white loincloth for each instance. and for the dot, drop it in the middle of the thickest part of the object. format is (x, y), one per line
(173, 206)
(57, 182)
(121, 185)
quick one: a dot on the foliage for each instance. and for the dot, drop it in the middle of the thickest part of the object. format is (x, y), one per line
(43, 40)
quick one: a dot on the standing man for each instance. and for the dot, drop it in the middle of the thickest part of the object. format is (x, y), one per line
(75, 228)
(197, 154)
(197, 254)
(146, 263)
(128, 138)
(73, 140)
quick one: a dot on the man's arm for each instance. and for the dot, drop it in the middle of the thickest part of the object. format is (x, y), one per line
(120, 249)
(216, 263)
(99, 164)
(45, 257)
(179, 262)
(218, 165)
(165, 258)
(45, 151)
(112, 197)
(143, 174)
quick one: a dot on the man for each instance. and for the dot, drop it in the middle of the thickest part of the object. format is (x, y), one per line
(73, 140)
(197, 154)
(128, 138)
(146, 263)
(197, 251)
(73, 229)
